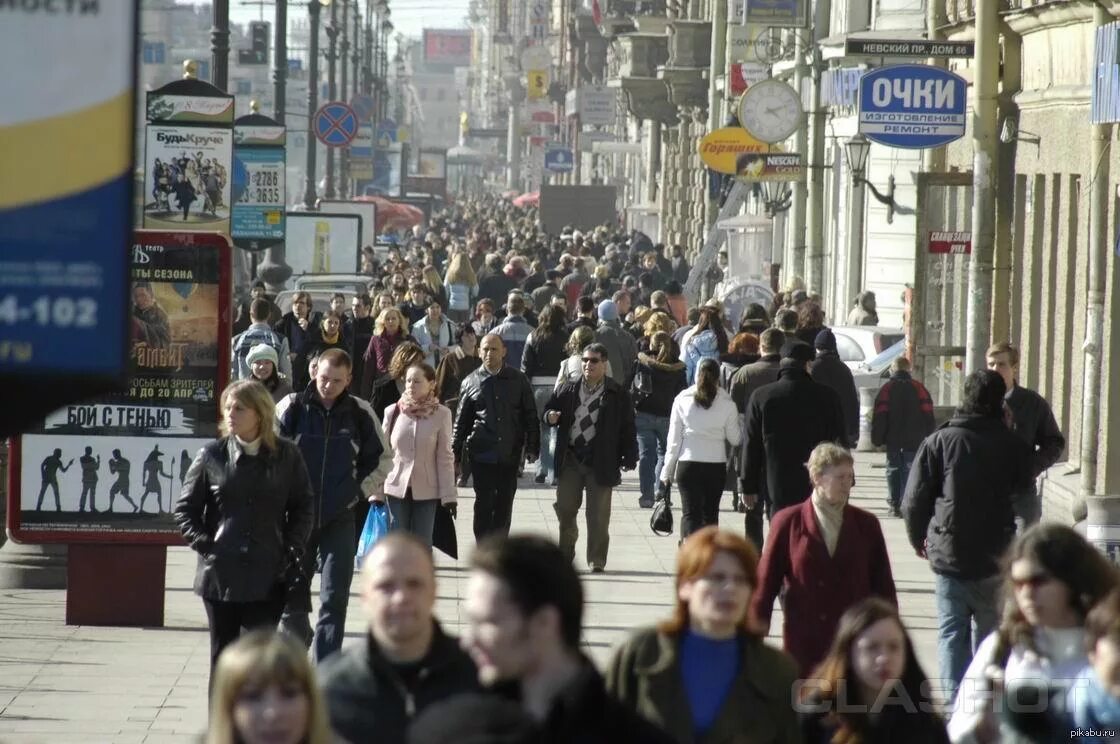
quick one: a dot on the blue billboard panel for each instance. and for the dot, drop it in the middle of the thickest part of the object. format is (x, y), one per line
(912, 106)
(258, 212)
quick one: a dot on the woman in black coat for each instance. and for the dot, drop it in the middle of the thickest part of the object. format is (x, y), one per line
(246, 509)
(658, 377)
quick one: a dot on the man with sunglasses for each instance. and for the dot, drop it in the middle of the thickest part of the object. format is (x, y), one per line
(596, 439)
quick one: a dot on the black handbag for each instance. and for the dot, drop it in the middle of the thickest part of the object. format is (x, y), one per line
(661, 520)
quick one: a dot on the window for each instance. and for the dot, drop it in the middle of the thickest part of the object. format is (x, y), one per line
(848, 349)
(154, 52)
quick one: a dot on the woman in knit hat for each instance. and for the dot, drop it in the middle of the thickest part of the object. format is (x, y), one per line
(262, 360)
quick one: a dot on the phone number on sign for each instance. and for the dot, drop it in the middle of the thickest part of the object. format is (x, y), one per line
(61, 312)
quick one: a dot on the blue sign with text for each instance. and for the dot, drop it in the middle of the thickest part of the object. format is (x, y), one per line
(559, 159)
(912, 106)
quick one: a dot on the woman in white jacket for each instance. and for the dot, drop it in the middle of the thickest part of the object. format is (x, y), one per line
(1054, 577)
(703, 422)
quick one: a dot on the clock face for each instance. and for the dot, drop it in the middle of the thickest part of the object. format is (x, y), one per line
(770, 110)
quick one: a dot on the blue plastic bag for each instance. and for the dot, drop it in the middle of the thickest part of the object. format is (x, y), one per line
(375, 528)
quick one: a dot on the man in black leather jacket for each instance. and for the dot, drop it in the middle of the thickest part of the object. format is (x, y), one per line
(495, 425)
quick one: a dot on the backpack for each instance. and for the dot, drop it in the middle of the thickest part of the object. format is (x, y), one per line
(253, 337)
(642, 385)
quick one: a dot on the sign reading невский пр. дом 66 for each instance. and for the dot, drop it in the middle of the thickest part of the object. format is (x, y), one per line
(912, 106)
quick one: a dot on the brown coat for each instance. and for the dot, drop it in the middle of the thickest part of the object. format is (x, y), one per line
(645, 674)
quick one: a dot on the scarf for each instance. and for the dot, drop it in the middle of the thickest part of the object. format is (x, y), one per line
(418, 409)
(829, 518)
(330, 339)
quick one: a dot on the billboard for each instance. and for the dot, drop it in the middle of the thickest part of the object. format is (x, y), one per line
(450, 47)
(110, 469)
(186, 178)
(323, 243)
(257, 218)
(367, 210)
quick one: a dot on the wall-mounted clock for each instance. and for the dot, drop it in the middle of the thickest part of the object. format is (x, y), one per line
(770, 110)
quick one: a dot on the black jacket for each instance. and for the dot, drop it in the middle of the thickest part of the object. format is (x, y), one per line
(367, 698)
(785, 421)
(959, 496)
(543, 356)
(903, 414)
(615, 445)
(1034, 423)
(896, 724)
(247, 517)
(751, 377)
(828, 369)
(668, 380)
(497, 417)
(496, 288)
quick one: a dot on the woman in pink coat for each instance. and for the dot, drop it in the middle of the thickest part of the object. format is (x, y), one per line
(423, 474)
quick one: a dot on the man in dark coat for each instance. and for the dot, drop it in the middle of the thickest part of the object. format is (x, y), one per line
(902, 418)
(496, 286)
(495, 424)
(596, 439)
(1033, 421)
(406, 661)
(524, 610)
(785, 421)
(828, 369)
(959, 516)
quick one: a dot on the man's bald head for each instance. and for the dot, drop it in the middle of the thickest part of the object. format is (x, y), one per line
(493, 352)
(399, 594)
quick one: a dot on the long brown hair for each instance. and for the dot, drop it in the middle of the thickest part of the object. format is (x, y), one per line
(707, 382)
(408, 354)
(662, 347)
(833, 683)
(695, 556)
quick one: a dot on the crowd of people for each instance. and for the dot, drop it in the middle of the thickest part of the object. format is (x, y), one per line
(486, 351)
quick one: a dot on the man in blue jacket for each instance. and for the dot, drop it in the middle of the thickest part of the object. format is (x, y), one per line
(342, 443)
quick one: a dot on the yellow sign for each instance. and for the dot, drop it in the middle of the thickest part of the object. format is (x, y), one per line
(720, 150)
(537, 84)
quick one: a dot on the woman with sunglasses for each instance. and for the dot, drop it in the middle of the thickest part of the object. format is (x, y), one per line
(1053, 578)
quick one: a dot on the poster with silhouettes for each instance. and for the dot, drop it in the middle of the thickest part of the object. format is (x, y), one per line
(111, 469)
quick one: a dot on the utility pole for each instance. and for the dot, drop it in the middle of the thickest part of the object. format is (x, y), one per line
(797, 209)
(814, 238)
(313, 9)
(984, 126)
(219, 44)
(280, 62)
(344, 47)
(332, 88)
(716, 68)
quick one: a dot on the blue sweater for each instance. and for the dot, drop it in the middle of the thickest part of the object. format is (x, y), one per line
(709, 668)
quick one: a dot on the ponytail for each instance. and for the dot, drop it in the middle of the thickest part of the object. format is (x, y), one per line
(707, 382)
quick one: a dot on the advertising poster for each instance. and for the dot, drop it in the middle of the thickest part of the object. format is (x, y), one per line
(187, 179)
(366, 210)
(769, 166)
(202, 109)
(323, 243)
(431, 164)
(110, 469)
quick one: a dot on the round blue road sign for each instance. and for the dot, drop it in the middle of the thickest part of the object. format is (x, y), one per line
(335, 124)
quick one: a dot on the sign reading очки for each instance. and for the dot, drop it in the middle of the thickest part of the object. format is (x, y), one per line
(912, 106)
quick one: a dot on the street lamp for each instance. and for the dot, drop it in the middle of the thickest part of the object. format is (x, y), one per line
(219, 44)
(280, 67)
(313, 8)
(777, 197)
(332, 89)
(858, 148)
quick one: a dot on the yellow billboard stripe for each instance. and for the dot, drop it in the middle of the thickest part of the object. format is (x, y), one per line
(65, 155)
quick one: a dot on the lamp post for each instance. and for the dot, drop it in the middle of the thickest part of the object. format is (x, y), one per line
(857, 149)
(343, 49)
(280, 66)
(313, 8)
(332, 88)
(219, 44)
(356, 57)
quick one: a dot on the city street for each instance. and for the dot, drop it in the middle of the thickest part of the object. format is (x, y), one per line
(122, 685)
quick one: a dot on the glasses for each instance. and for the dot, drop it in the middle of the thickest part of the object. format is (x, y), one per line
(590, 360)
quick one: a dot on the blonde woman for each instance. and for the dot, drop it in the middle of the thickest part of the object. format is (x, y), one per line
(389, 331)
(246, 509)
(434, 284)
(461, 284)
(265, 691)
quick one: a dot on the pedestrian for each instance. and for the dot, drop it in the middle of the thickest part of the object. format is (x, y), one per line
(810, 321)
(786, 420)
(389, 332)
(327, 335)
(1052, 578)
(484, 318)
(263, 361)
(821, 556)
(1094, 701)
(542, 295)
(702, 425)
(524, 610)
(361, 326)
(544, 353)
(434, 333)
(959, 516)
(514, 330)
(456, 365)
(621, 347)
(496, 285)
(1033, 422)
(658, 378)
(257, 292)
(706, 674)
(405, 661)
(495, 426)
(246, 509)
(422, 475)
(870, 686)
(258, 332)
(901, 419)
(828, 369)
(572, 367)
(388, 388)
(572, 284)
(343, 445)
(478, 718)
(416, 307)
(585, 314)
(264, 690)
(752, 376)
(297, 326)
(595, 439)
(863, 312)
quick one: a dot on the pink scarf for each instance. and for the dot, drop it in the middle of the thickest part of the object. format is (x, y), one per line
(418, 409)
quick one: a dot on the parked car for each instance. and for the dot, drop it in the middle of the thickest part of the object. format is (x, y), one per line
(877, 370)
(859, 344)
(344, 283)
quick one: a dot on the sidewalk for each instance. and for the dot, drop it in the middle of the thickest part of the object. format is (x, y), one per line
(66, 685)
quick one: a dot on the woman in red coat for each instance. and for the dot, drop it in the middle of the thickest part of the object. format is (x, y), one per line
(827, 554)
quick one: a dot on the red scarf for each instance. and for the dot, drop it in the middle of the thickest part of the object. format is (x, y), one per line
(418, 409)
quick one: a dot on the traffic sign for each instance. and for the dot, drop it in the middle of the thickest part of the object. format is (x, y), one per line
(912, 106)
(559, 159)
(335, 124)
(363, 106)
(386, 133)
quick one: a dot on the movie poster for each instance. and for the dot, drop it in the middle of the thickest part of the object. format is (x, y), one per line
(187, 178)
(112, 468)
